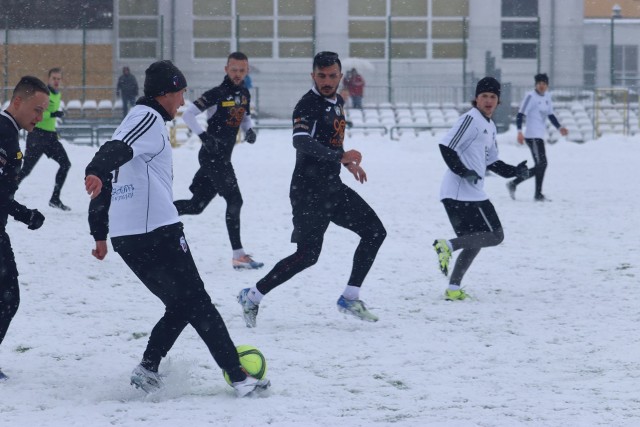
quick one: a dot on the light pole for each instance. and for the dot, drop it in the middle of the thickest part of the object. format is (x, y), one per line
(616, 12)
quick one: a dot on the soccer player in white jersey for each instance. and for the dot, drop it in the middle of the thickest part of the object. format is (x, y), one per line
(536, 106)
(469, 149)
(130, 182)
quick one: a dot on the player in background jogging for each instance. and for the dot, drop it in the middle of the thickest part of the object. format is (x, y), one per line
(536, 107)
(228, 108)
(44, 140)
(319, 197)
(469, 149)
(130, 182)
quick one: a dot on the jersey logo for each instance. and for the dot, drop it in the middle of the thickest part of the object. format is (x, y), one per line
(338, 136)
(338, 112)
(183, 244)
(236, 114)
(328, 109)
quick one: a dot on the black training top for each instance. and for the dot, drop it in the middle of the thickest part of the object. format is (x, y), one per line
(318, 136)
(227, 104)
(10, 164)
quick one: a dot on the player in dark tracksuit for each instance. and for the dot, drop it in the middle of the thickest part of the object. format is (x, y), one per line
(29, 101)
(228, 107)
(318, 195)
(44, 140)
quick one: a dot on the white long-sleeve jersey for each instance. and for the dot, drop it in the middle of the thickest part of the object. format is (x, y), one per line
(473, 138)
(536, 108)
(142, 194)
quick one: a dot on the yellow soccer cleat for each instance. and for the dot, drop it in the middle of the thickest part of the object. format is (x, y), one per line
(458, 295)
(444, 255)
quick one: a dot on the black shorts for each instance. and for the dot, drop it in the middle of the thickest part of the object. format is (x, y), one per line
(7, 259)
(162, 261)
(471, 217)
(313, 212)
(215, 176)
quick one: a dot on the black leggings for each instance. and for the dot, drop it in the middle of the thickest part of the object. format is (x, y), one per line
(41, 142)
(9, 289)
(162, 261)
(215, 177)
(540, 163)
(349, 211)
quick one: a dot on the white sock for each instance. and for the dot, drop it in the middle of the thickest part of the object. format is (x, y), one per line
(453, 287)
(351, 292)
(450, 245)
(255, 296)
(238, 253)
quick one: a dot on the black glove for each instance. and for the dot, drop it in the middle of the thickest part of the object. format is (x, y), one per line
(522, 171)
(250, 136)
(349, 123)
(471, 176)
(58, 113)
(209, 142)
(35, 219)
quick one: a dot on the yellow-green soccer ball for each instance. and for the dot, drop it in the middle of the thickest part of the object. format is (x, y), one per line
(252, 360)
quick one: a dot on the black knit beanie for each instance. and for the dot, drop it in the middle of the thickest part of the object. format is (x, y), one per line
(541, 78)
(163, 77)
(488, 84)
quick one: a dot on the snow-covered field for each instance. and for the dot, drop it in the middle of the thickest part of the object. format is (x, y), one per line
(550, 338)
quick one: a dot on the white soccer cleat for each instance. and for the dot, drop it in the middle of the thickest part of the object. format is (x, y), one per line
(249, 308)
(356, 308)
(249, 385)
(145, 379)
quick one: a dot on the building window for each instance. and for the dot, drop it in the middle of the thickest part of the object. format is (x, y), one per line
(590, 65)
(258, 28)
(519, 50)
(520, 29)
(138, 29)
(519, 8)
(625, 65)
(409, 29)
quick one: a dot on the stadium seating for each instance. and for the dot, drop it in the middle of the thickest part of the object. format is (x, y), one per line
(402, 118)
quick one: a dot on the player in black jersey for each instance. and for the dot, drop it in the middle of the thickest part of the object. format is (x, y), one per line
(228, 108)
(318, 196)
(29, 101)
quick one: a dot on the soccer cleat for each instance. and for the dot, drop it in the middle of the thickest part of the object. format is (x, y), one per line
(250, 384)
(249, 308)
(444, 255)
(511, 187)
(458, 295)
(3, 377)
(245, 262)
(145, 379)
(540, 198)
(56, 203)
(356, 308)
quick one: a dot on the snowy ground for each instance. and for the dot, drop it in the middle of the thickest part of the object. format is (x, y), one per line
(550, 339)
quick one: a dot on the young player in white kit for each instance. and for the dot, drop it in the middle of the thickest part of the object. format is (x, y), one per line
(536, 106)
(469, 149)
